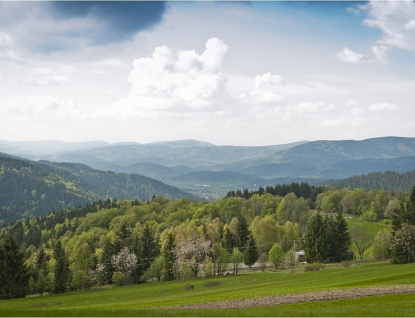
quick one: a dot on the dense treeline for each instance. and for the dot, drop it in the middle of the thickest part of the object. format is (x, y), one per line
(390, 181)
(124, 242)
(302, 189)
(29, 189)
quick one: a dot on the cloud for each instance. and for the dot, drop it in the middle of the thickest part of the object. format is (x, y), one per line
(265, 89)
(118, 20)
(184, 80)
(347, 55)
(383, 106)
(396, 21)
(110, 62)
(41, 107)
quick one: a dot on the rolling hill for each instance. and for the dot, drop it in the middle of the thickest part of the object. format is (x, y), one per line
(29, 189)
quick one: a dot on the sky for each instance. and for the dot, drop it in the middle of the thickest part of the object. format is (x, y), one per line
(229, 73)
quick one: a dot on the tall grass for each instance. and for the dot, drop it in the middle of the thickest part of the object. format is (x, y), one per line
(152, 299)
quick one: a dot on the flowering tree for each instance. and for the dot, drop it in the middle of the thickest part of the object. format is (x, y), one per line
(190, 254)
(124, 263)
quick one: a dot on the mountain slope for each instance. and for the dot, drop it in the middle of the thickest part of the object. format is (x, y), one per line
(30, 189)
(27, 190)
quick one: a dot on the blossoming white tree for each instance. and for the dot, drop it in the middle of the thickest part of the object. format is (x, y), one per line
(124, 263)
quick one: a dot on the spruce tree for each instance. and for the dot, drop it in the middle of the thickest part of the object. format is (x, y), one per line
(243, 232)
(41, 266)
(342, 238)
(150, 248)
(108, 251)
(406, 213)
(316, 240)
(169, 256)
(14, 274)
(61, 269)
(251, 253)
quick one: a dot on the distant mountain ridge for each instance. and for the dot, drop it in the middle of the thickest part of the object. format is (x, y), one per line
(177, 162)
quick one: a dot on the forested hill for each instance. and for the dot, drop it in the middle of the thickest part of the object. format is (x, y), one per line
(29, 189)
(390, 181)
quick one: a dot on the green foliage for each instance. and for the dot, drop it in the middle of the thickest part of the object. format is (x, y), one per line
(382, 245)
(14, 275)
(317, 240)
(251, 253)
(369, 216)
(169, 257)
(276, 255)
(313, 267)
(62, 272)
(403, 244)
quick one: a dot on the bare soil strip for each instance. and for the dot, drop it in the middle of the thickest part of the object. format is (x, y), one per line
(304, 297)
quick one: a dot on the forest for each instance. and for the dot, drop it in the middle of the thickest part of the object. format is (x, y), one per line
(132, 241)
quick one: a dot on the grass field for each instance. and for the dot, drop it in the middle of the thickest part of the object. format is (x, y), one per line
(151, 299)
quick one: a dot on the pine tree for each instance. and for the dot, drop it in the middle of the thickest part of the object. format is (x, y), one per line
(228, 239)
(342, 239)
(169, 256)
(108, 251)
(150, 248)
(251, 253)
(316, 240)
(41, 266)
(14, 274)
(61, 269)
(243, 232)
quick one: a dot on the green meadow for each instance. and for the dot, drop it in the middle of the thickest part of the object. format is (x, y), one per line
(153, 299)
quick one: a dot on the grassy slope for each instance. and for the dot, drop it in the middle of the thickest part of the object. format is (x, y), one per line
(150, 299)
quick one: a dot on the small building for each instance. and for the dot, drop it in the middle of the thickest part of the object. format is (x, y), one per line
(300, 256)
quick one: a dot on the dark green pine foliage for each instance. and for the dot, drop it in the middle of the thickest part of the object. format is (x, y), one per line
(150, 248)
(340, 238)
(42, 271)
(123, 238)
(406, 214)
(61, 269)
(228, 240)
(242, 232)
(108, 251)
(14, 274)
(316, 240)
(251, 253)
(169, 257)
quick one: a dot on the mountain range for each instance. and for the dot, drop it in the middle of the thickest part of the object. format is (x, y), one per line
(209, 170)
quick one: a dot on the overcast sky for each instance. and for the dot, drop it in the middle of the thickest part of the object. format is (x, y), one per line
(236, 73)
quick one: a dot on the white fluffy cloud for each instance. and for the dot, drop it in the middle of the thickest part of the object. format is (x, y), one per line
(186, 80)
(347, 55)
(265, 90)
(396, 21)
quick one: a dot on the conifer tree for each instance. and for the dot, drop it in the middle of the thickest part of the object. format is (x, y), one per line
(108, 250)
(169, 256)
(14, 274)
(243, 232)
(341, 238)
(316, 240)
(150, 248)
(41, 266)
(61, 269)
(251, 253)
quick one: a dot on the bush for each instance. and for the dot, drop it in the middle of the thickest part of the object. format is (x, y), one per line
(369, 216)
(189, 287)
(119, 279)
(346, 263)
(213, 283)
(313, 267)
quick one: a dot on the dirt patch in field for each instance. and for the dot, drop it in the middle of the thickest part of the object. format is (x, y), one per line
(304, 297)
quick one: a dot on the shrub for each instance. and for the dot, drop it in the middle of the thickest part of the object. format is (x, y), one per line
(313, 267)
(213, 283)
(369, 216)
(189, 287)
